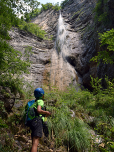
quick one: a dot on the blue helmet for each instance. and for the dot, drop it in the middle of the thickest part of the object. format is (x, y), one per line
(38, 92)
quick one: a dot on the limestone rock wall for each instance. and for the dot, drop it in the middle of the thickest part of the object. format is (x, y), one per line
(41, 49)
(48, 21)
(40, 57)
(79, 15)
(81, 40)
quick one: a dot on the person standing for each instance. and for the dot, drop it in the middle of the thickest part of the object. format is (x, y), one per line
(36, 124)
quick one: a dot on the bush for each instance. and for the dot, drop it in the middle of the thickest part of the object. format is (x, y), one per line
(32, 28)
(34, 13)
(46, 6)
(72, 131)
(62, 127)
(101, 11)
(106, 39)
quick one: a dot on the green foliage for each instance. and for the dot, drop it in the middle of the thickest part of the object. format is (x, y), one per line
(101, 11)
(7, 14)
(3, 124)
(50, 5)
(46, 6)
(15, 84)
(67, 130)
(11, 63)
(5, 149)
(96, 84)
(73, 131)
(103, 98)
(9, 144)
(8, 10)
(33, 4)
(103, 16)
(105, 128)
(34, 13)
(63, 128)
(56, 7)
(7, 19)
(22, 6)
(78, 135)
(14, 124)
(107, 40)
(10, 60)
(32, 28)
(98, 104)
(11, 66)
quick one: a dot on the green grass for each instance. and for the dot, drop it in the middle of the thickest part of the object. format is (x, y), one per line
(73, 132)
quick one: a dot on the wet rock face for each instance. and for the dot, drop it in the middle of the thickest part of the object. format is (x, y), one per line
(79, 15)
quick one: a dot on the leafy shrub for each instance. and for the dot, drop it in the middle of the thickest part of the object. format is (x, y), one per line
(10, 60)
(34, 13)
(101, 11)
(32, 28)
(62, 127)
(103, 16)
(56, 7)
(50, 5)
(98, 104)
(46, 6)
(7, 19)
(3, 124)
(68, 131)
(11, 66)
(106, 39)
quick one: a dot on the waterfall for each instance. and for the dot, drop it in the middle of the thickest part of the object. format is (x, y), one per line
(62, 74)
(61, 35)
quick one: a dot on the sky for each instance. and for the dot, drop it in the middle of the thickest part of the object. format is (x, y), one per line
(50, 1)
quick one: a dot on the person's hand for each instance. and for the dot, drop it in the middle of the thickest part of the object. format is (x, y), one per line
(48, 113)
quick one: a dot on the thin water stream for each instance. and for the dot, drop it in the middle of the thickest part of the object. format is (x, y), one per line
(62, 74)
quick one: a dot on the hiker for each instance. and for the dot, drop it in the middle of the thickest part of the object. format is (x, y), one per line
(36, 124)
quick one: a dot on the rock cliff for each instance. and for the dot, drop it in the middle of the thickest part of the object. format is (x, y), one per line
(80, 16)
(40, 57)
(81, 43)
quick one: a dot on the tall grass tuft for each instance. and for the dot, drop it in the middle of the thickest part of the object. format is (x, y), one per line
(73, 131)
(65, 129)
